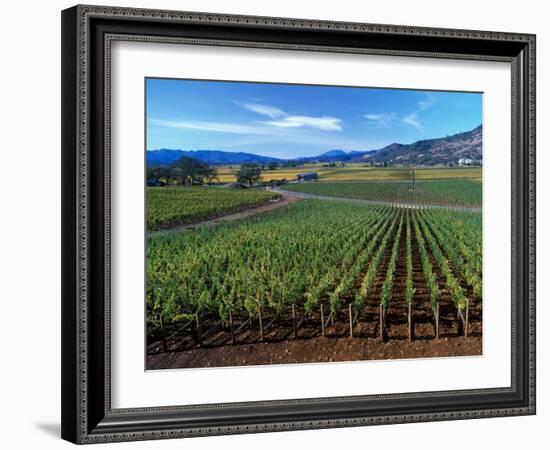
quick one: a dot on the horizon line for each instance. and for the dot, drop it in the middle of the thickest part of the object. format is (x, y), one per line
(305, 157)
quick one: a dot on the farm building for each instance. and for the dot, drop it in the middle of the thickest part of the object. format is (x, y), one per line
(308, 176)
(468, 162)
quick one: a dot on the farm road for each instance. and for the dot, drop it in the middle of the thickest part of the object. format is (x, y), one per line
(377, 202)
(290, 196)
(285, 199)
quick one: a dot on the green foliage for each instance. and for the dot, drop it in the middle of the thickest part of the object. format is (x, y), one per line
(409, 289)
(350, 271)
(249, 174)
(460, 240)
(427, 267)
(288, 256)
(171, 205)
(307, 253)
(437, 192)
(185, 171)
(451, 282)
(367, 285)
(386, 296)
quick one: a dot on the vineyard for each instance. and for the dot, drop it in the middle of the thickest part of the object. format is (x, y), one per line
(317, 268)
(181, 205)
(437, 192)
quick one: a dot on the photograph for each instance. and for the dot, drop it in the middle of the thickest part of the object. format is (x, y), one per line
(295, 223)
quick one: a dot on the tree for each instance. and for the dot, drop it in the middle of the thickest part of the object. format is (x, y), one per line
(158, 172)
(188, 171)
(272, 165)
(211, 174)
(249, 173)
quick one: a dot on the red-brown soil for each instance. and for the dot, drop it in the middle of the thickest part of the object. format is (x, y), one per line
(319, 349)
(280, 346)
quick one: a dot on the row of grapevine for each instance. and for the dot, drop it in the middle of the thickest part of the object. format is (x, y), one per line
(367, 285)
(452, 248)
(427, 268)
(239, 267)
(451, 282)
(302, 256)
(435, 192)
(409, 288)
(465, 230)
(175, 205)
(348, 281)
(386, 293)
(353, 251)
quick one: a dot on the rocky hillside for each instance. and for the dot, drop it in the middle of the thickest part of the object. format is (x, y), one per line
(429, 152)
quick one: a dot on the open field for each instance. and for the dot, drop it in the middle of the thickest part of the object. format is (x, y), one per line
(317, 268)
(357, 172)
(168, 206)
(455, 192)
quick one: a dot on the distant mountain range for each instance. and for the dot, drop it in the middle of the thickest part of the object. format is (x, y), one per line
(428, 152)
(166, 156)
(337, 156)
(213, 157)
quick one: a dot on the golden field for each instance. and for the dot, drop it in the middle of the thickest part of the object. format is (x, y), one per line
(356, 172)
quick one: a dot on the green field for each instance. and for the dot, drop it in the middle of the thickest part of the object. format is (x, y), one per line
(182, 205)
(456, 192)
(309, 253)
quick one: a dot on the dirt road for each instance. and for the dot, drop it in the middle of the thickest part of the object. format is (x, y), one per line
(285, 199)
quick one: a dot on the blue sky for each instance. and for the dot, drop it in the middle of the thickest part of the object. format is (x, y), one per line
(289, 121)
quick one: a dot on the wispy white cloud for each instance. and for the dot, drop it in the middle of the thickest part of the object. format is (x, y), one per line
(427, 102)
(381, 119)
(219, 127)
(281, 119)
(282, 126)
(265, 110)
(413, 120)
(324, 123)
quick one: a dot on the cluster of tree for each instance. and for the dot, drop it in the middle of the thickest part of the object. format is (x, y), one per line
(272, 165)
(373, 163)
(249, 174)
(185, 171)
(335, 164)
(190, 171)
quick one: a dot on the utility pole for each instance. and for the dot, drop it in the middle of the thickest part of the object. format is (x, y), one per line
(412, 167)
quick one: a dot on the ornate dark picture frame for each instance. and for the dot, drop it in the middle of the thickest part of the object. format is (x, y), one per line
(87, 33)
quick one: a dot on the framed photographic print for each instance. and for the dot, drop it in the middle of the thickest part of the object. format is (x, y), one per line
(280, 224)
